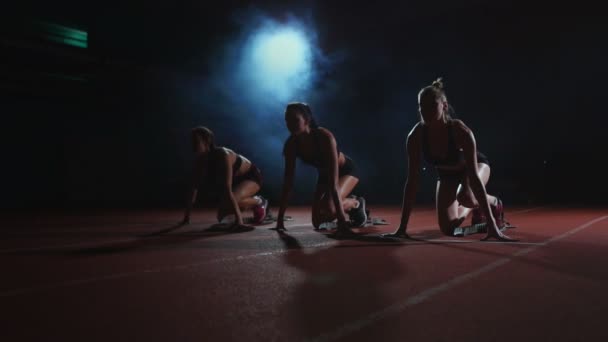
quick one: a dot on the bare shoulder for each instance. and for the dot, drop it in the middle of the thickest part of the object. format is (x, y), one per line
(460, 125)
(415, 133)
(326, 135)
(413, 145)
(416, 129)
(463, 134)
(223, 152)
(228, 150)
(461, 129)
(220, 155)
(324, 132)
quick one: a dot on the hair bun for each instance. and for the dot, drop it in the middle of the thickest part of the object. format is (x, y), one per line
(438, 83)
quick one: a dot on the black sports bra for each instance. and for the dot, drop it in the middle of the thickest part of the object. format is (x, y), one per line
(454, 156)
(316, 162)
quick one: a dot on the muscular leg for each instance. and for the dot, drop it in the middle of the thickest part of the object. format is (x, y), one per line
(244, 194)
(451, 215)
(323, 209)
(448, 213)
(346, 184)
(465, 196)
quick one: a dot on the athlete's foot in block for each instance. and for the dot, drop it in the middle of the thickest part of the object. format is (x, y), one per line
(358, 214)
(260, 211)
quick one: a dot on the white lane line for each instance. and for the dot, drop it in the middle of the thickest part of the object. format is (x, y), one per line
(208, 262)
(133, 239)
(354, 326)
(524, 210)
(189, 266)
(435, 241)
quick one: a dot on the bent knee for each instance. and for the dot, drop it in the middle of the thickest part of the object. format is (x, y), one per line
(244, 203)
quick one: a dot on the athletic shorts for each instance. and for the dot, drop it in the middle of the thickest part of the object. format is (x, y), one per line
(347, 169)
(459, 175)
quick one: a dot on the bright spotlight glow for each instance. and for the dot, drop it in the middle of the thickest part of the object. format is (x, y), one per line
(278, 62)
(283, 53)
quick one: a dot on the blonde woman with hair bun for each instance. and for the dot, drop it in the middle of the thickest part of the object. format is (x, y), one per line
(463, 172)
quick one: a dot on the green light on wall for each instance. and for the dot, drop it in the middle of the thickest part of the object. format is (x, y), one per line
(65, 35)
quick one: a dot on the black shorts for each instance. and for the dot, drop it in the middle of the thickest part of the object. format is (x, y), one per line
(347, 169)
(459, 175)
(481, 158)
(254, 174)
(214, 187)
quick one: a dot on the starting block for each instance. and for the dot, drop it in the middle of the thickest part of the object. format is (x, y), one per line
(477, 228)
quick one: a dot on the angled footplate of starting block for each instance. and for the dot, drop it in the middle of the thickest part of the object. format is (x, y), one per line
(476, 228)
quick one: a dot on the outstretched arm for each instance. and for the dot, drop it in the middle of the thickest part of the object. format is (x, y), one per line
(329, 146)
(469, 148)
(197, 174)
(192, 194)
(225, 168)
(289, 154)
(413, 147)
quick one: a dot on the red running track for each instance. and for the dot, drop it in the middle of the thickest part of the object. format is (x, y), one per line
(89, 277)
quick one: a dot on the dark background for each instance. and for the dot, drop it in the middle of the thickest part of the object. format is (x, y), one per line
(108, 126)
